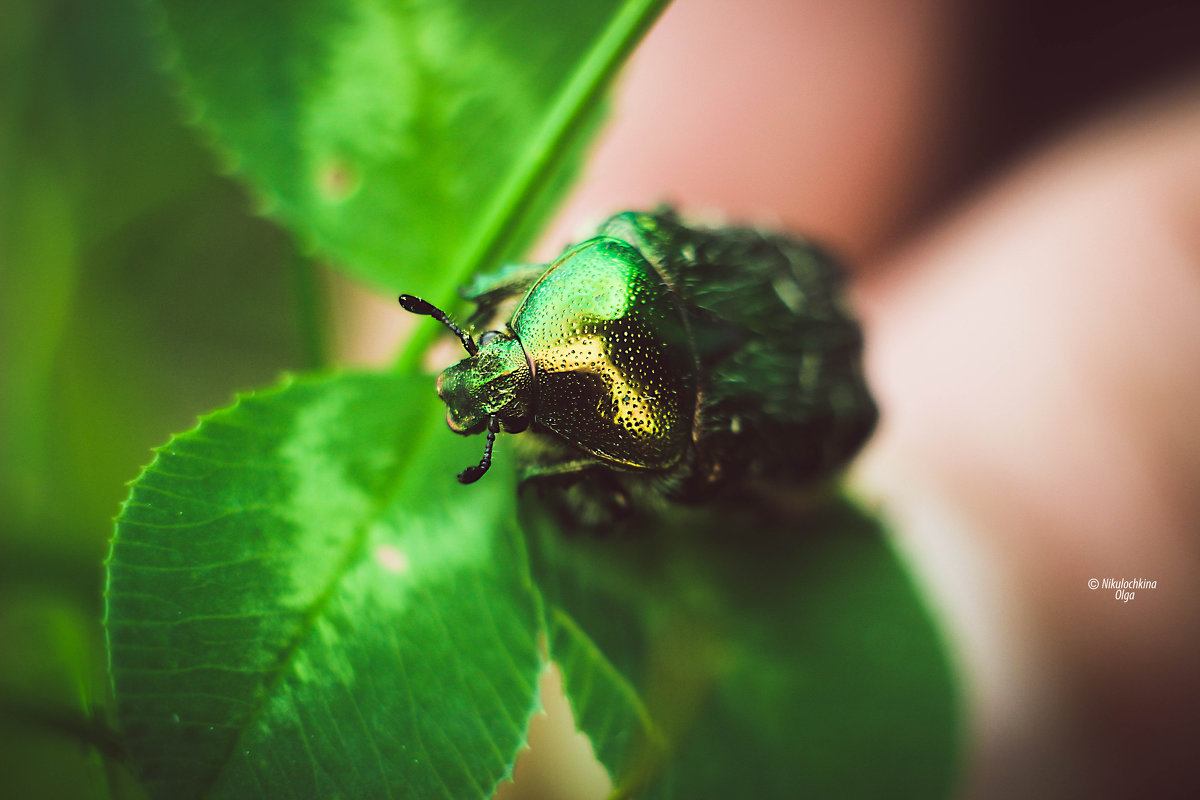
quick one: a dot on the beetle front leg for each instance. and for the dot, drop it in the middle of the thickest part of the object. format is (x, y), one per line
(490, 290)
(558, 469)
(582, 492)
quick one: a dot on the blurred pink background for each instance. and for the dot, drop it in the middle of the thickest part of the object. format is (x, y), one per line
(1016, 187)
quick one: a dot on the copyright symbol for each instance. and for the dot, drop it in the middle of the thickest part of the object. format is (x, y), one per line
(1093, 584)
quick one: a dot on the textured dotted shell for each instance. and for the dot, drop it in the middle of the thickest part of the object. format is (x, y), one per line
(616, 370)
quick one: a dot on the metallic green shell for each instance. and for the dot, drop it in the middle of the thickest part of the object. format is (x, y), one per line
(615, 369)
(782, 392)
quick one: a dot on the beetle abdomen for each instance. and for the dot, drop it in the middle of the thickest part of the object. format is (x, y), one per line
(615, 370)
(783, 394)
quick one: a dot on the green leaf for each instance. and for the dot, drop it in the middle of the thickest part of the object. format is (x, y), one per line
(50, 740)
(737, 653)
(135, 286)
(412, 142)
(303, 602)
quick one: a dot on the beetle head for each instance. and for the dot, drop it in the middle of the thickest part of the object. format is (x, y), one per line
(491, 388)
(496, 381)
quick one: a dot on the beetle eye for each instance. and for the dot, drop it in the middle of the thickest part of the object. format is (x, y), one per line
(487, 336)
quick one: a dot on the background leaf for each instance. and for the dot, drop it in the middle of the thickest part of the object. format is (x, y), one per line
(402, 136)
(123, 313)
(301, 604)
(751, 654)
(136, 290)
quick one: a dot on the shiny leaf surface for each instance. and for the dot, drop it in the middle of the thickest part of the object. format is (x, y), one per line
(302, 604)
(741, 652)
(411, 142)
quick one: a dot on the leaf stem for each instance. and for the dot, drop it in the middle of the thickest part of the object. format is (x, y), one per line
(569, 112)
(84, 729)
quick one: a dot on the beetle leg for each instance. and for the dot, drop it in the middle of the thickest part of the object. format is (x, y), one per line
(583, 493)
(490, 290)
(540, 472)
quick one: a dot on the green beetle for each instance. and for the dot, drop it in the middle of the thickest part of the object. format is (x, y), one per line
(663, 359)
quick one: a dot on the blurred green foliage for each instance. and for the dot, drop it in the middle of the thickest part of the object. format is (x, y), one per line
(409, 142)
(749, 653)
(136, 291)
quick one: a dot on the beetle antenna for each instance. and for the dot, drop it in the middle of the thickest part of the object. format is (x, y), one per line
(472, 474)
(416, 305)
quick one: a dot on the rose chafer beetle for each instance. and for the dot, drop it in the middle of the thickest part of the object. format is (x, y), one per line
(659, 359)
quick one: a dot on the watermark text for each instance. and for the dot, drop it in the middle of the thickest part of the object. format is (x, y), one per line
(1123, 589)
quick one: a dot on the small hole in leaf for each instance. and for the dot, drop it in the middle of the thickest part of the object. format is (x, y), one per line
(337, 180)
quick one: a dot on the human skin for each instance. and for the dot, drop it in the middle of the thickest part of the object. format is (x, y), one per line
(1032, 338)
(1034, 350)
(1037, 356)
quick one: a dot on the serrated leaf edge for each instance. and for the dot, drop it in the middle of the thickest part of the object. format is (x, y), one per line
(288, 381)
